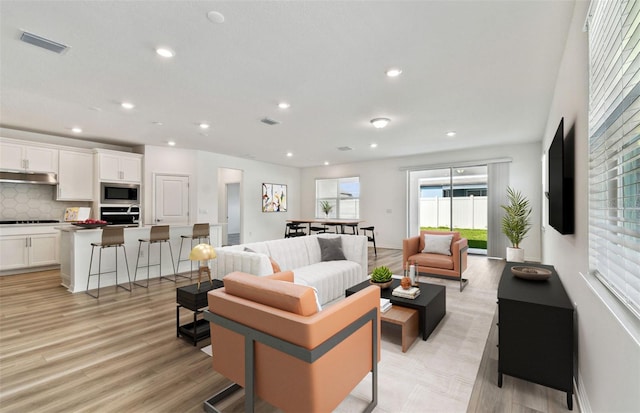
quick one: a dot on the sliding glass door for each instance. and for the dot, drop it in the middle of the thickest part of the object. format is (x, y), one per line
(450, 199)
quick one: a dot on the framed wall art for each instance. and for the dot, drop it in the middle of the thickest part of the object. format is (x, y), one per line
(274, 198)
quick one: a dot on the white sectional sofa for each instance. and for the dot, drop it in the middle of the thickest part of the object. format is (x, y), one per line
(302, 255)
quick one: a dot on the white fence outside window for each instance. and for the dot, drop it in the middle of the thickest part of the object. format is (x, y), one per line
(468, 212)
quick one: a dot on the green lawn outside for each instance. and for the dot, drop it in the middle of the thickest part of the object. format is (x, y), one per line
(477, 237)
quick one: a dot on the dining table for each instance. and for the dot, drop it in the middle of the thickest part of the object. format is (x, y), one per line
(338, 223)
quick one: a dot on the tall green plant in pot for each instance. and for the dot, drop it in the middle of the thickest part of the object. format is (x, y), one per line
(326, 208)
(516, 222)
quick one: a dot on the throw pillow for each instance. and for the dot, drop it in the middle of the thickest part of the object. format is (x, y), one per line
(437, 244)
(248, 249)
(331, 249)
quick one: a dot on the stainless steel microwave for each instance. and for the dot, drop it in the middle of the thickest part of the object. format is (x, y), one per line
(111, 193)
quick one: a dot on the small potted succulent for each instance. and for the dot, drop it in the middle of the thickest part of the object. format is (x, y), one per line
(381, 276)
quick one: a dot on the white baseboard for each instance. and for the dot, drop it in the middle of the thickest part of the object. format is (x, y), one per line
(581, 397)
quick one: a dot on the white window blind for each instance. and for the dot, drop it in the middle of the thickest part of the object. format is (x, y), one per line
(614, 148)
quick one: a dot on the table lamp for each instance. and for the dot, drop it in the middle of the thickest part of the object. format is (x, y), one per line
(203, 253)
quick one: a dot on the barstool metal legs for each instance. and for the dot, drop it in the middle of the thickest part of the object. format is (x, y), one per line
(177, 272)
(99, 273)
(173, 265)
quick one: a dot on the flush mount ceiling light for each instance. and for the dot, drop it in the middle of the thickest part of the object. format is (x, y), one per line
(379, 123)
(76, 130)
(215, 17)
(393, 72)
(127, 105)
(204, 125)
(451, 134)
(289, 154)
(284, 105)
(326, 163)
(373, 145)
(171, 143)
(164, 52)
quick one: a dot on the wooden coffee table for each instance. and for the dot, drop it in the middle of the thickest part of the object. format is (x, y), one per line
(407, 319)
(431, 304)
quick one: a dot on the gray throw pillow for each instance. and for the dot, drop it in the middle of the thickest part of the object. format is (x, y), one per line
(331, 249)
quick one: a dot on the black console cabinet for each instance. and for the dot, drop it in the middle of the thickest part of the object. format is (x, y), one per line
(535, 331)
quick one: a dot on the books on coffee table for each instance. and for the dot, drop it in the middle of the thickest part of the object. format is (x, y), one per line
(411, 293)
(385, 304)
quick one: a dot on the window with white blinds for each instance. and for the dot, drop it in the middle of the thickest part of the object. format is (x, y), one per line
(614, 148)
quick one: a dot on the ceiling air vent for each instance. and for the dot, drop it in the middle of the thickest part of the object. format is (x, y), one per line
(269, 121)
(345, 148)
(36, 40)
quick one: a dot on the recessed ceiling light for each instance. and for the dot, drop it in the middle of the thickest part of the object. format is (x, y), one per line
(76, 130)
(127, 105)
(394, 72)
(326, 163)
(204, 125)
(373, 145)
(164, 52)
(171, 143)
(215, 17)
(451, 133)
(289, 154)
(284, 105)
(158, 123)
(380, 122)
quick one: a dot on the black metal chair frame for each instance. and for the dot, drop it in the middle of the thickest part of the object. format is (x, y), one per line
(251, 336)
(370, 238)
(102, 246)
(153, 240)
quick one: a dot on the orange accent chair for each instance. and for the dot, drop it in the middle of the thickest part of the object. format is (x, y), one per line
(437, 264)
(269, 337)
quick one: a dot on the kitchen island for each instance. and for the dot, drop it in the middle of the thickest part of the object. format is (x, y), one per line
(75, 255)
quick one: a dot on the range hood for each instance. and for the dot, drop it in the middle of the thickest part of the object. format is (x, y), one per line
(29, 178)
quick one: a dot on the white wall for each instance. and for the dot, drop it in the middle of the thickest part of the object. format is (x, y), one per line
(608, 339)
(383, 188)
(256, 225)
(203, 169)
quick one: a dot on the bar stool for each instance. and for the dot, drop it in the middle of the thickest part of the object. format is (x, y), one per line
(159, 234)
(199, 232)
(111, 237)
(370, 238)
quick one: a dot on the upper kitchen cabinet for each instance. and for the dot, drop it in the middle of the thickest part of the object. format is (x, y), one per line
(115, 166)
(27, 158)
(75, 178)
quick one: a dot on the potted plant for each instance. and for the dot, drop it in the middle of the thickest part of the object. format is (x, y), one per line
(326, 208)
(381, 276)
(516, 222)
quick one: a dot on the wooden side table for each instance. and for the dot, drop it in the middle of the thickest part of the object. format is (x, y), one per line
(195, 299)
(407, 319)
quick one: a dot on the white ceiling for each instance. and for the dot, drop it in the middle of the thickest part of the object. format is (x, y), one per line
(486, 69)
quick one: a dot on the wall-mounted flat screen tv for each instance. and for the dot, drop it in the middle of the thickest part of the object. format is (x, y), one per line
(560, 155)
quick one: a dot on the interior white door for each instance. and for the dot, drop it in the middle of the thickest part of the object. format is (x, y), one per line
(171, 204)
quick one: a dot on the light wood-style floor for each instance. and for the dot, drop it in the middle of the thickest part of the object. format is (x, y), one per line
(63, 352)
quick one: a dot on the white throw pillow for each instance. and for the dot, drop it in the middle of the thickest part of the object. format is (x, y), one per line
(437, 244)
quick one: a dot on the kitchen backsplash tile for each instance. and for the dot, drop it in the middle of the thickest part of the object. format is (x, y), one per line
(30, 201)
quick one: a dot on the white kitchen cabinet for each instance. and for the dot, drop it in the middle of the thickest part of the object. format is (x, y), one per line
(119, 167)
(23, 251)
(17, 157)
(75, 176)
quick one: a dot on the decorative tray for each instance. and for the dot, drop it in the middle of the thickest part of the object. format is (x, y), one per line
(531, 273)
(81, 225)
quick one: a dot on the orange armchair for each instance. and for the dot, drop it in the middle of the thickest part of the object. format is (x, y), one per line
(438, 264)
(269, 337)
